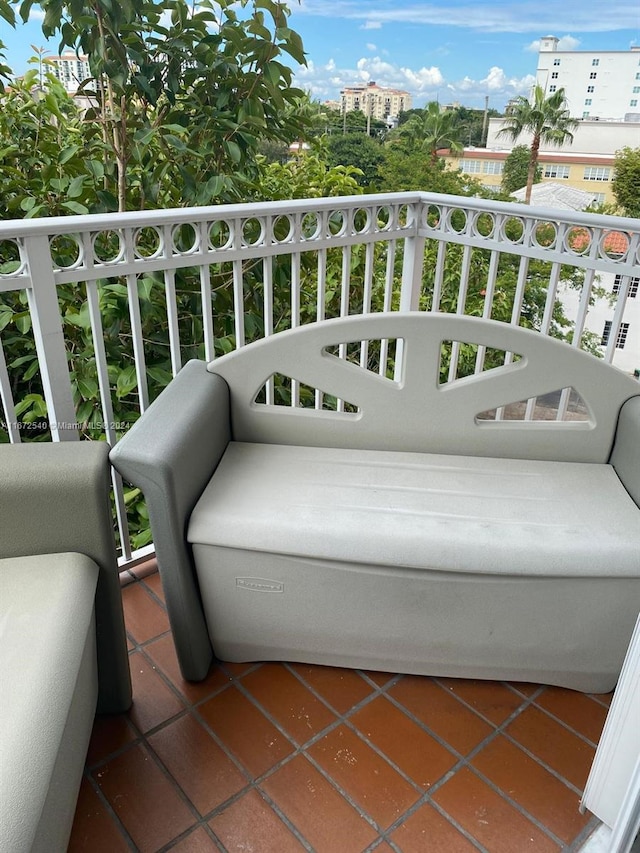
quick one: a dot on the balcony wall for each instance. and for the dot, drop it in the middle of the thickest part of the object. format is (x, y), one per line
(80, 289)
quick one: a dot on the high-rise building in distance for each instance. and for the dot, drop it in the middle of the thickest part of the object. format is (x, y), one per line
(375, 101)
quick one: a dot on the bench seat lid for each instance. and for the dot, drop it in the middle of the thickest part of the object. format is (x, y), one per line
(418, 510)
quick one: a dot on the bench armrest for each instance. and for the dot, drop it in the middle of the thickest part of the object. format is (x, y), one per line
(171, 453)
(54, 498)
(625, 456)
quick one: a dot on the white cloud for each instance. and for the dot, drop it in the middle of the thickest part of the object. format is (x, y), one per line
(424, 84)
(371, 25)
(497, 84)
(424, 78)
(371, 46)
(564, 43)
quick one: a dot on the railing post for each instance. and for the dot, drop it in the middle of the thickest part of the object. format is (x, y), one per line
(49, 340)
(6, 399)
(412, 263)
(411, 286)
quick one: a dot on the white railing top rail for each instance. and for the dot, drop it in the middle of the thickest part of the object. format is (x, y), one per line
(169, 216)
(589, 241)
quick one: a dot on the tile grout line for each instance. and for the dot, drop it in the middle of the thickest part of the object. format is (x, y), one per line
(578, 843)
(111, 812)
(565, 725)
(543, 764)
(515, 805)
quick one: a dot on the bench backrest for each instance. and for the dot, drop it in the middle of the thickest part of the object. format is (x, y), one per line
(414, 411)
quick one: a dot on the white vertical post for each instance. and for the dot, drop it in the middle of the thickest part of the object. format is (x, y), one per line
(7, 401)
(412, 267)
(49, 340)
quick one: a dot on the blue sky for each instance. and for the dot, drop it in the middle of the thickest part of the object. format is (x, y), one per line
(458, 50)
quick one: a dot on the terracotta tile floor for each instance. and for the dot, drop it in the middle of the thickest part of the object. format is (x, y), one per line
(276, 758)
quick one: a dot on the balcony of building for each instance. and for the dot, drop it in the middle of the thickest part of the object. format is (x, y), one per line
(281, 756)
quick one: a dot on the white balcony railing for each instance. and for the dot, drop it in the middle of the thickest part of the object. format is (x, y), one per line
(232, 273)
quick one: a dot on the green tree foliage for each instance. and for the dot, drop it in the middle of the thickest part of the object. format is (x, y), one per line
(546, 119)
(626, 180)
(404, 170)
(51, 161)
(356, 149)
(336, 122)
(182, 94)
(471, 124)
(308, 176)
(429, 130)
(516, 170)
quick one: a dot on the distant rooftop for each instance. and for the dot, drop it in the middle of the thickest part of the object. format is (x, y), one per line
(559, 196)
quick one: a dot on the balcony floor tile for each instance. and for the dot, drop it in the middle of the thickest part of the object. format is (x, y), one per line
(280, 758)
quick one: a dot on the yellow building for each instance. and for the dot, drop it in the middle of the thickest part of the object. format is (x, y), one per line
(591, 173)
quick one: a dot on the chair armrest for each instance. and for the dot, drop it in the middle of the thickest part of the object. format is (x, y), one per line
(54, 498)
(625, 456)
(171, 453)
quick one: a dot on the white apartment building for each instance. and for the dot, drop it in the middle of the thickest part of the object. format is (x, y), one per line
(600, 315)
(599, 84)
(70, 69)
(375, 101)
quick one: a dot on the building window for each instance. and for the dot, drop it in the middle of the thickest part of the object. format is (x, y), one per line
(556, 62)
(636, 89)
(634, 283)
(633, 102)
(555, 170)
(593, 75)
(587, 102)
(621, 338)
(585, 114)
(638, 76)
(554, 75)
(595, 62)
(599, 198)
(591, 88)
(471, 166)
(493, 167)
(552, 88)
(597, 173)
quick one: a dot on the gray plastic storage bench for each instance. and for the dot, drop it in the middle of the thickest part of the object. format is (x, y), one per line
(63, 653)
(404, 533)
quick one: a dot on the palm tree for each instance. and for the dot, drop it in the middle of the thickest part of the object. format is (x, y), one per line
(548, 121)
(432, 129)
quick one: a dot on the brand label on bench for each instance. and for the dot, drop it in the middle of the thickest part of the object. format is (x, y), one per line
(260, 584)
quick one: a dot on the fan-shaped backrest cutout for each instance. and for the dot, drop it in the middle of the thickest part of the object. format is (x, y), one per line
(459, 359)
(564, 405)
(382, 357)
(281, 390)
